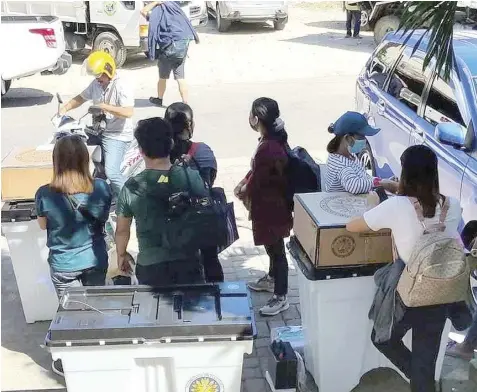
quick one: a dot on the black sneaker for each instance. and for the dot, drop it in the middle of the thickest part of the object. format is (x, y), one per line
(156, 101)
(348, 36)
(57, 367)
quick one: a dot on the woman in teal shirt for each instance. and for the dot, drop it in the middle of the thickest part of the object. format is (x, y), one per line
(73, 208)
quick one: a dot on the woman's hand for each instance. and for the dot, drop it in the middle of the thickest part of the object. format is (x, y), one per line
(390, 186)
(125, 263)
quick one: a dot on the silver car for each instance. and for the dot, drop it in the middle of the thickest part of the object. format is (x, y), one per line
(227, 12)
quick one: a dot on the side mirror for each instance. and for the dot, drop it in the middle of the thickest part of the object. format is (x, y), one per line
(58, 97)
(451, 133)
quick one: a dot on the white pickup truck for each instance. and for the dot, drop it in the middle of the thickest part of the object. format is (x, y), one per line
(31, 45)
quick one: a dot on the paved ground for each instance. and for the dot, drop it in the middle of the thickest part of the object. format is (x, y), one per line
(309, 68)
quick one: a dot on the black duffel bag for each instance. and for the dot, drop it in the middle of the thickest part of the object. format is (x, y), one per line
(194, 222)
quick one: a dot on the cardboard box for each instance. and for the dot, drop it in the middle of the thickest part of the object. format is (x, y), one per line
(320, 227)
(24, 170)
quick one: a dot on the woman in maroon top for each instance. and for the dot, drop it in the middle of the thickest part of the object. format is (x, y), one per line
(264, 192)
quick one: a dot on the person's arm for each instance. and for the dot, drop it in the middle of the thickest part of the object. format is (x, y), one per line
(377, 218)
(390, 186)
(125, 104)
(76, 102)
(42, 222)
(123, 229)
(148, 8)
(355, 183)
(123, 233)
(41, 218)
(117, 111)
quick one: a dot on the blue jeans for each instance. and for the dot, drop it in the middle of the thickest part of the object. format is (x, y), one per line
(89, 277)
(114, 151)
(350, 15)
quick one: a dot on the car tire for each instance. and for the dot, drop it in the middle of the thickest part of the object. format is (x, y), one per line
(223, 25)
(6, 86)
(367, 159)
(279, 25)
(365, 14)
(384, 25)
(111, 43)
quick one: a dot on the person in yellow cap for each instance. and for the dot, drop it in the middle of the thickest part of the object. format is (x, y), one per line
(114, 99)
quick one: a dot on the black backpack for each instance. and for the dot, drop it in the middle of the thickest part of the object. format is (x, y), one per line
(303, 173)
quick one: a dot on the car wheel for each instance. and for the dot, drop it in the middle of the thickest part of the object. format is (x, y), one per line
(112, 44)
(280, 24)
(365, 20)
(6, 86)
(367, 160)
(385, 25)
(222, 24)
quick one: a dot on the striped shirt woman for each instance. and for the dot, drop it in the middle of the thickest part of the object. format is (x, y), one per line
(345, 173)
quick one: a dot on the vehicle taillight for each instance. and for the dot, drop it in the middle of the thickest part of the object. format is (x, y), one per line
(48, 35)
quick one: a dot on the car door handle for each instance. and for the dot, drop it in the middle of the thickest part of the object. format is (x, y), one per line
(381, 106)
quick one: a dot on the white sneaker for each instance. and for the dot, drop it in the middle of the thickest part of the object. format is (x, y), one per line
(275, 305)
(265, 283)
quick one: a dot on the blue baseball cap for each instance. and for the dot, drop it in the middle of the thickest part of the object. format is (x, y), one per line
(353, 123)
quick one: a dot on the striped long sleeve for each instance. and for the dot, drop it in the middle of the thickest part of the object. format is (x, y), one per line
(347, 175)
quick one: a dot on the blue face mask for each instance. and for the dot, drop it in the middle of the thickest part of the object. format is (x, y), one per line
(358, 146)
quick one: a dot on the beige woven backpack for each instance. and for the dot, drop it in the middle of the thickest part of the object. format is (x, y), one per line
(437, 272)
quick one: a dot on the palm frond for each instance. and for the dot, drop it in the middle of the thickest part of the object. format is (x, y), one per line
(437, 18)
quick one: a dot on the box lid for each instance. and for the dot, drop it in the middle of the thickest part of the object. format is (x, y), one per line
(332, 209)
(21, 157)
(137, 314)
(27, 157)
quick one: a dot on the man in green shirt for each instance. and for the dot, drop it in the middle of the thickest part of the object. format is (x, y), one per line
(145, 198)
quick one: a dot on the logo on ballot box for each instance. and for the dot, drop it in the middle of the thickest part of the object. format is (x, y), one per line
(204, 383)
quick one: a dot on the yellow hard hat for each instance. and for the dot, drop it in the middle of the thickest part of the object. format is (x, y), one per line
(98, 63)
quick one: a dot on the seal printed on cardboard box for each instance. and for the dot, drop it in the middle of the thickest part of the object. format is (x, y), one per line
(319, 226)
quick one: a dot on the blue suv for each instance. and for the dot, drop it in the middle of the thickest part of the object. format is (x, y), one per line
(412, 106)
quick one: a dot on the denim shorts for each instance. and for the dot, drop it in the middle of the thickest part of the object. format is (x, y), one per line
(167, 64)
(89, 277)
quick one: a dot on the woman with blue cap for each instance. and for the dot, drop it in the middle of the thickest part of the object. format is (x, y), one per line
(345, 172)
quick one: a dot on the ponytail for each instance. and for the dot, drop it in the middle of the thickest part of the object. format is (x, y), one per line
(334, 144)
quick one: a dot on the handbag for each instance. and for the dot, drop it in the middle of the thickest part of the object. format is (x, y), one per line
(228, 211)
(193, 222)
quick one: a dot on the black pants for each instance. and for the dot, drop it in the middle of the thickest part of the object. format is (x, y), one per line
(356, 15)
(278, 269)
(212, 268)
(427, 324)
(170, 273)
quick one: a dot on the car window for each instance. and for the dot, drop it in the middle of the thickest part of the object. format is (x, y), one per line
(441, 105)
(408, 81)
(381, 64)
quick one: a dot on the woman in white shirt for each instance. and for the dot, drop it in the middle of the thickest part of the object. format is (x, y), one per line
(344, 172)
(419, 180)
